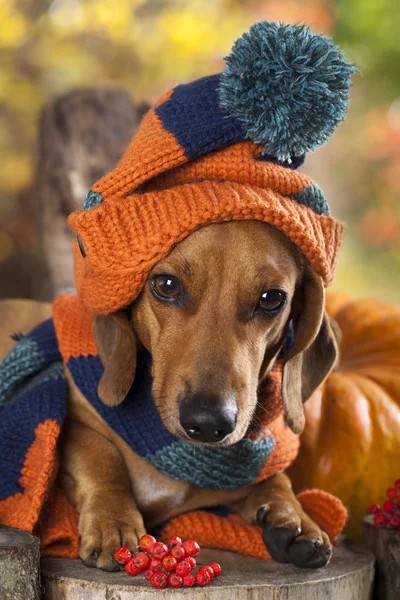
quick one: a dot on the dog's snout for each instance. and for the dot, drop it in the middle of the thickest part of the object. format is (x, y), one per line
(207, 418)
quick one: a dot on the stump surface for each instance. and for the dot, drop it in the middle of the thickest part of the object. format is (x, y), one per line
(348, 577)
(385, 545)
(19, 565)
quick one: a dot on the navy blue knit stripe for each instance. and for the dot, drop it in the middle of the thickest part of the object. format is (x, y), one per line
(136, 419)
(138, 422)
(18, 421)
(45, 337)
(193, 115)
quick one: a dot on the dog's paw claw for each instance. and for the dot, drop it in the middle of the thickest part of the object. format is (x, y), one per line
(278, 540)
(91, 560)
(110, 567)
(309, 554)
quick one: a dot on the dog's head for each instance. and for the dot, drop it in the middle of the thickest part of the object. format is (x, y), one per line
(214, 316)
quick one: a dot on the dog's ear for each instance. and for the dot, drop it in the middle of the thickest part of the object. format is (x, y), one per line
(116, 345)
(313, 354)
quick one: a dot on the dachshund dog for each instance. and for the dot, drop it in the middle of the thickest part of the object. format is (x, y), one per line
(225, 294)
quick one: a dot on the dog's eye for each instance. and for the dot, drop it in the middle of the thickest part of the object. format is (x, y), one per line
(272, 300)
(165, 287)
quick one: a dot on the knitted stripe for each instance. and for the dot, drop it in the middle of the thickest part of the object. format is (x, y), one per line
(194, 116)
(21, 362)
(233, 533)
(138, 422)
(152, 151)
(217, 468)
(285, 451)
(326, 510)
(124, 240)
(239, 163)
(37, 475)
(30, 426)
(57, 527)
(73, 324)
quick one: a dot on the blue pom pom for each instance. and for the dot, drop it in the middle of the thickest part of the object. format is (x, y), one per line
(287, 86)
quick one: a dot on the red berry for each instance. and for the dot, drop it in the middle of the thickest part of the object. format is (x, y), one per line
(155, 564)
(208, 569)
(389, 506)
(391, 493)
(175, 580)
(380, 520)
(146, 542)
(373, 509)
(123, 555)
(394, 521)
(216, 567)
(159, 580)
(132, 569)
(141, 560)
(159, 550)
(191, 548)
(178, 552)
(148, 573)
(189, 580)
(203, 577)
(174, 541)
(183, 568)
(191, 561)
(169, 563)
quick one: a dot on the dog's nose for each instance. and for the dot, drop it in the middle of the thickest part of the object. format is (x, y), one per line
(208, 418)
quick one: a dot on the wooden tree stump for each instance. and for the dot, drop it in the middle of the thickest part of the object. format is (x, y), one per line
(19, 565)
(385, 544)
(349, 576)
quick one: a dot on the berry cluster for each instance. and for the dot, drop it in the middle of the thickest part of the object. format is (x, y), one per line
(167, 565)
(387, 515)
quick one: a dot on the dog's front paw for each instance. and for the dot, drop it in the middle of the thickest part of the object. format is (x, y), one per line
(290, 536)
(104, 527)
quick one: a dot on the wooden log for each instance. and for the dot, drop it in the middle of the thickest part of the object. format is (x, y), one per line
(19, 565)
(82, 135)
(385, 545)
(349, 576)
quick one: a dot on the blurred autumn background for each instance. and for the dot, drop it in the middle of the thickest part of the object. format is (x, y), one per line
(148, 46)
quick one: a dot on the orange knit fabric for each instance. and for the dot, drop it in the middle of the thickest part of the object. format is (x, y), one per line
(40, 467)
(123, 240)
(235, 534)
(44, 509)
(156, 197)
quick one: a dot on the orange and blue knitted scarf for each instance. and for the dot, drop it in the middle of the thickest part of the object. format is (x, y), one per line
(33, 406)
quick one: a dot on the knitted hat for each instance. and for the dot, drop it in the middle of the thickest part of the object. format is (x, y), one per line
(222, 148)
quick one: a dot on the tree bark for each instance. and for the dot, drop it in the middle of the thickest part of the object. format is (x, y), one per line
(349, 576)
(19, 565)
(385, 544)
(82, 135)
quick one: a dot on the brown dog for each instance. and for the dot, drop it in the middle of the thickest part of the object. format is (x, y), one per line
(213, 315)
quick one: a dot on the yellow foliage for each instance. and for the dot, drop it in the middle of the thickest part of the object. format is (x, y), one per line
(13, 26)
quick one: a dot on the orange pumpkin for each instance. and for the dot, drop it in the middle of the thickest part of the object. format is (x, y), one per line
(351, 442)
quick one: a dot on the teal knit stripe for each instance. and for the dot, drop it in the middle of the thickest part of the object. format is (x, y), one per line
(314, 198)
(52, 371)
(226, 468)
(92, 199)
(24, 360)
